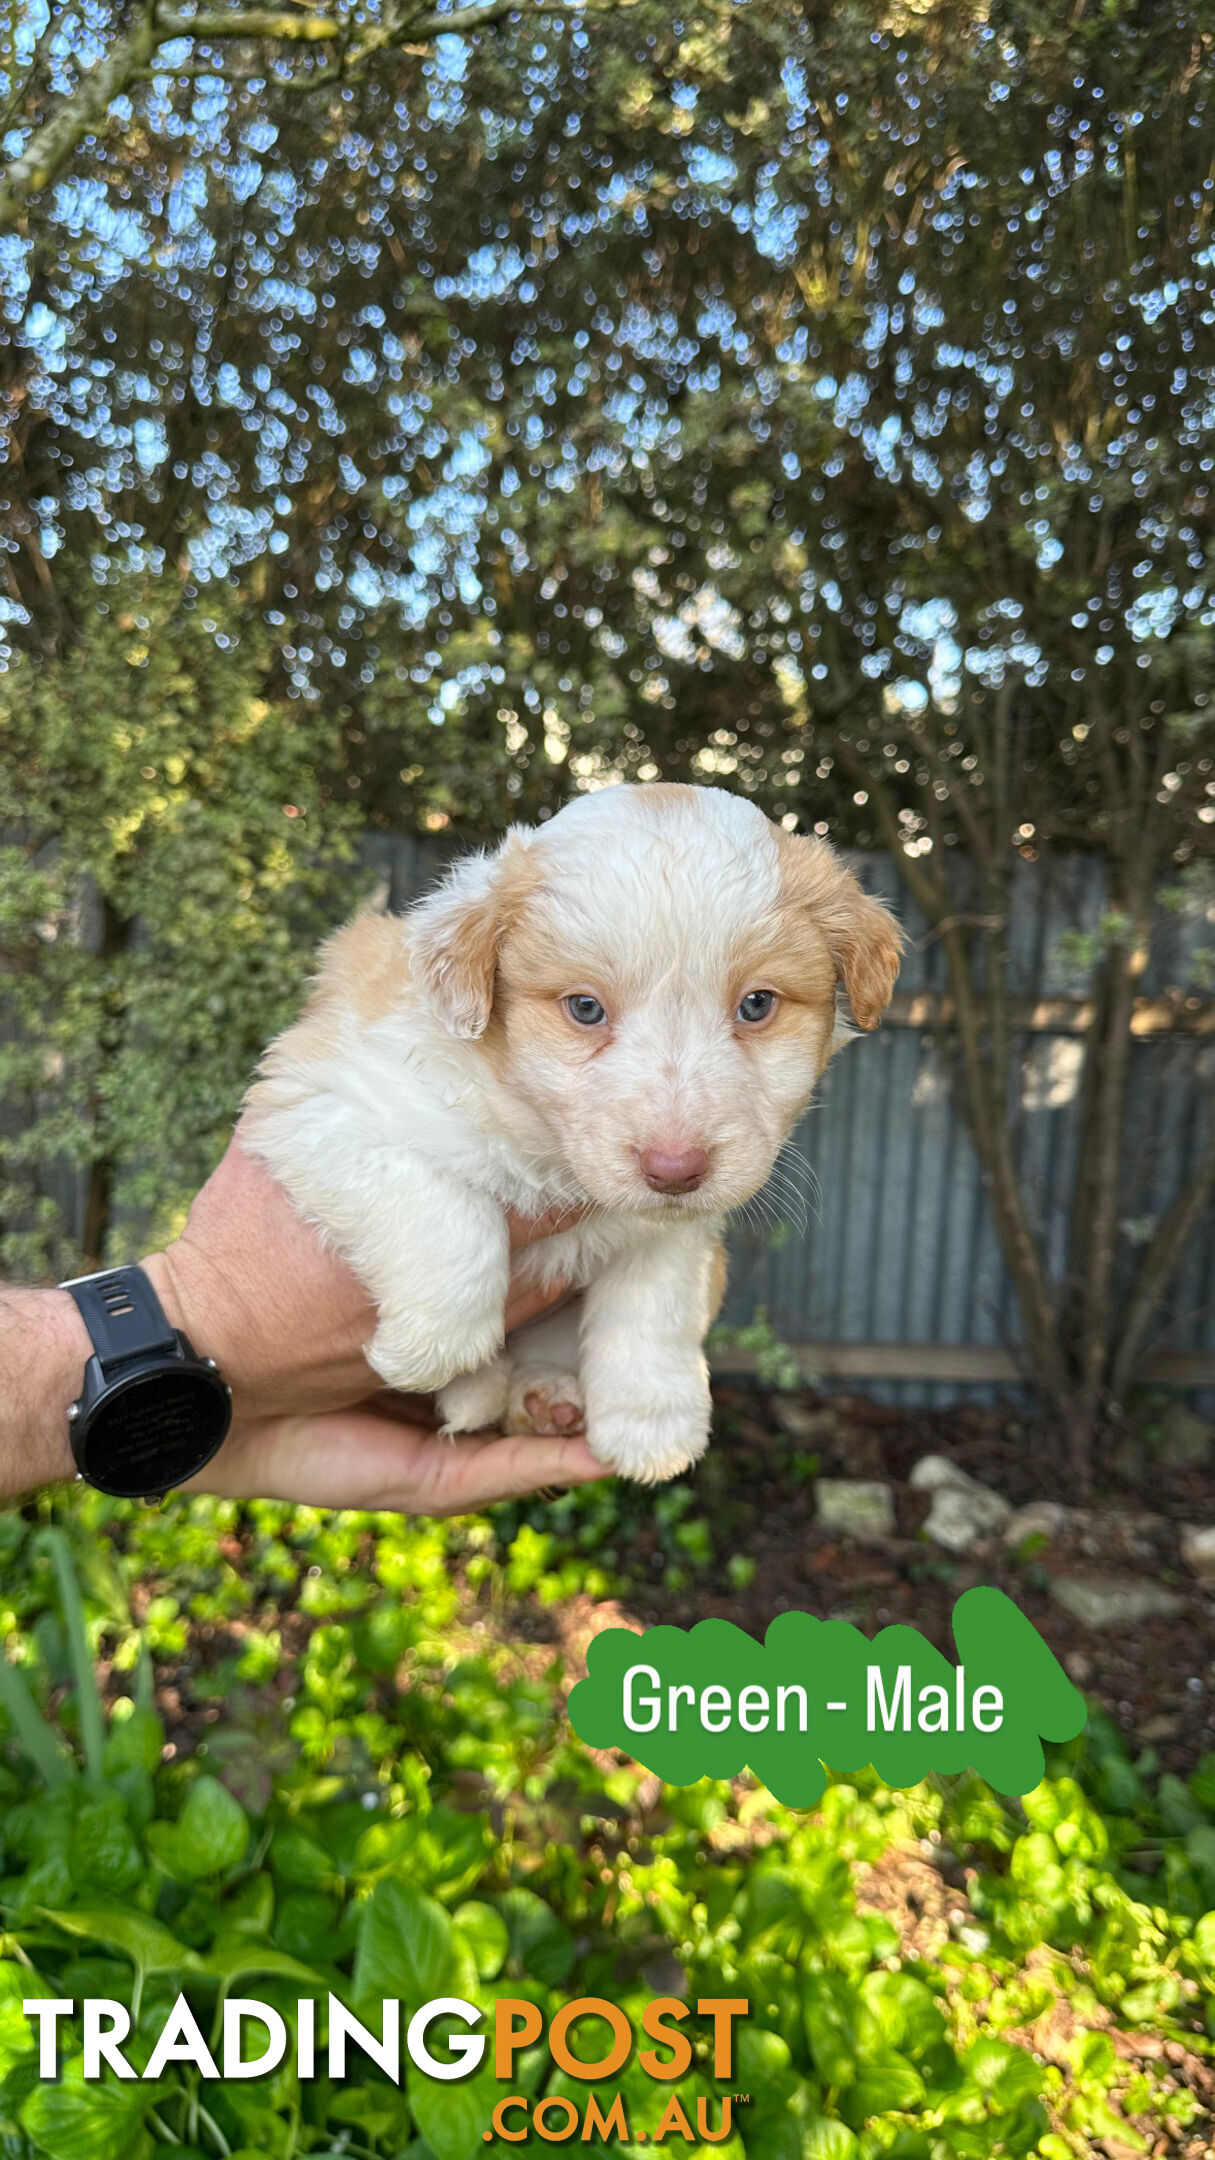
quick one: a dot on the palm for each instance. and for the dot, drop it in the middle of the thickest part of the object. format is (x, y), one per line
(371, 1457)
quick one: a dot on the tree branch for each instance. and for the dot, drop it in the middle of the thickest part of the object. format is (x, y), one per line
(130, 60)
(54, 24)
(81, 111)
(1158, 1267)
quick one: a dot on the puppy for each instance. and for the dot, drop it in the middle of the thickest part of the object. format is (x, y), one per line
(624, 1010)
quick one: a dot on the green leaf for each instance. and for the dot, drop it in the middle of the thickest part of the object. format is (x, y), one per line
(249, 1910)
(883, 2086)
(1094, 2056)
(453, 2117)
(70, 2120)
(231, 1960)
(214, 1826)
(301, 1860)
(376, 2109)
(539, 1941)
(39, 1739)
(486, 1934)
(104, 1854)
(405, 1947)
(1008, 2075)
(760, 2057)
(827, 2139)
(210, 1836)
(134, 1742)
(830, 2007)
(443, 1852)
(88, 1695)
(150, 1947)
(1203, 1940)
(905, 2010)
(305, 1925)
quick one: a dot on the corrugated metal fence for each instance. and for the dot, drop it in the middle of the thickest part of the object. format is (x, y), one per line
(896, 1284)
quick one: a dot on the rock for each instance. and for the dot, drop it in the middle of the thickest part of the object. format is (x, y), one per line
(861, 1508)
(958, 1519)
(1079, 1667)
(1164, 1726)
(962, 1510)
(1107, 1601)
(933, 1473)
(1115, 1535)
(973, 1938)
(800, 1420)
(1198, 1550)
(1042, 1518)
(1185, 1439)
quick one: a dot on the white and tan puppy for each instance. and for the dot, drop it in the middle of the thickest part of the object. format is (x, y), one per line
(624, 1010)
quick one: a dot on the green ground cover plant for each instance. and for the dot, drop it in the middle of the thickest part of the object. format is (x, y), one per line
(392, 1805)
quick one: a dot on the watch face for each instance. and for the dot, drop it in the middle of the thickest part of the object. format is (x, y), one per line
(153, 1431)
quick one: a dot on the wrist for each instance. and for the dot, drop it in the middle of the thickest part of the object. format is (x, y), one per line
(44, 1346)
(218, 1320)
(191, 1305)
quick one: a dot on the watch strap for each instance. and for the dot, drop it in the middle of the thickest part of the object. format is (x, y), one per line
(123, 1315)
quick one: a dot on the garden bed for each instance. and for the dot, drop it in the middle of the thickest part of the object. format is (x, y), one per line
(756, 1491)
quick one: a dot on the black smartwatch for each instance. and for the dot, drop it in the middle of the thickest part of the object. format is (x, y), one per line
(151, 1412)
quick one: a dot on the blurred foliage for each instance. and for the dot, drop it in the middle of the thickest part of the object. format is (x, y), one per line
(749, 389)
(167, 862)
(396, 1808)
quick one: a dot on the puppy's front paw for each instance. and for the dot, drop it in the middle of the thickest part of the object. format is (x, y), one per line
(476, 1400)
(549, 1403)
(650, 1446)
(417, 1358)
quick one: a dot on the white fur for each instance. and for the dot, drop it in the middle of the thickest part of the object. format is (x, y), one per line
(405, 1142)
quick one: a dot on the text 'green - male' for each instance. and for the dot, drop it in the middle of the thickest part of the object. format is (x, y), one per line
(712, 1701)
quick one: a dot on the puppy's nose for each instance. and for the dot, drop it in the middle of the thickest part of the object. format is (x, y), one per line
(674, 1170)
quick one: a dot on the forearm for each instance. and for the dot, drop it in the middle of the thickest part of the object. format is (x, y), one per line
(43, 1350)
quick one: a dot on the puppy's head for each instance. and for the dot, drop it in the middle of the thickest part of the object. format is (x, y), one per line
(655, 974)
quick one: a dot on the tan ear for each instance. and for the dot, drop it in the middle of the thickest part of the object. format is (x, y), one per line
(456, 932)
(863, 937)
(869, 951)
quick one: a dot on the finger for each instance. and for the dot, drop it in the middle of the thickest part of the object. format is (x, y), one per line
(361, 1459)
(483, 1471)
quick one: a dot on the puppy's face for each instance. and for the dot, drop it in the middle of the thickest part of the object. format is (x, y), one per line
(654, 972)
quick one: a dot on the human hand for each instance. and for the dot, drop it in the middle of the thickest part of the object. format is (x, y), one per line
(380, 1455)
(254, 1287)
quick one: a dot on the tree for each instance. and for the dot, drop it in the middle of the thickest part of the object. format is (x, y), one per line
(169, 858)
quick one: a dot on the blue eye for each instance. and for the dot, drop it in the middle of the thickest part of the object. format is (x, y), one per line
(756, 1005)
(587, 1011)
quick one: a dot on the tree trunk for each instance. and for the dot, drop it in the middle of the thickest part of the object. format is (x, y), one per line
(1094, 1241)
(982, 1099)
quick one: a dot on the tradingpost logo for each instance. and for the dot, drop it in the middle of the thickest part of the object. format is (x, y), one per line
(463, 2084)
